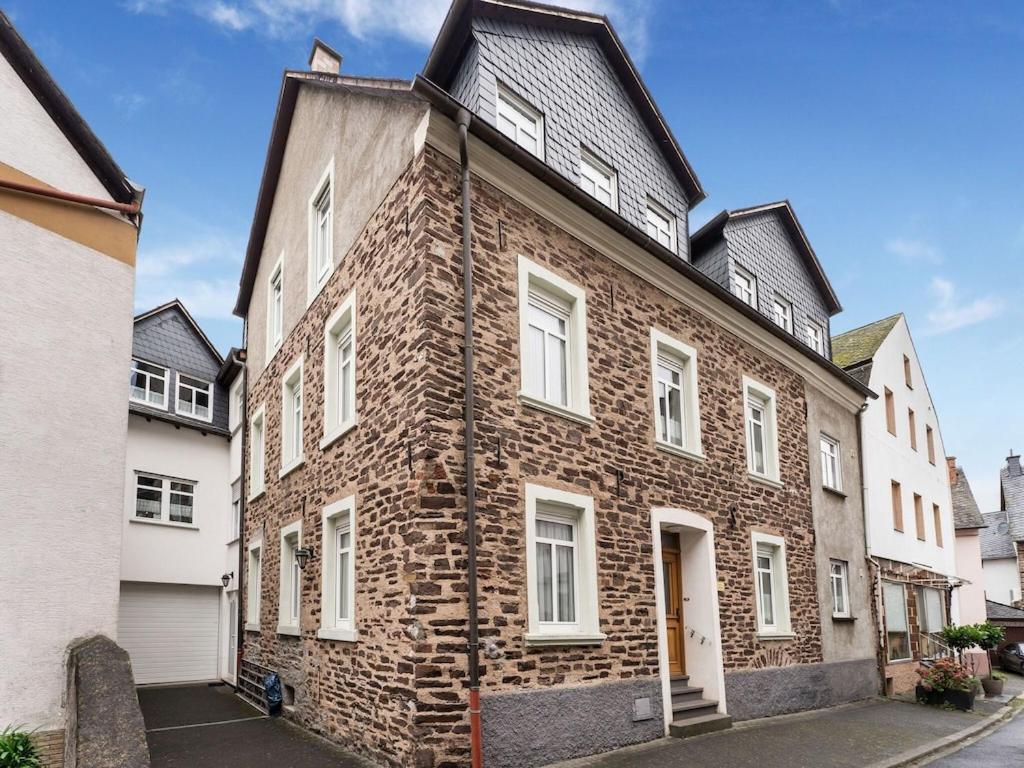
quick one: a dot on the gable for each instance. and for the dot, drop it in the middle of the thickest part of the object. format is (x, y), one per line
(168, 338)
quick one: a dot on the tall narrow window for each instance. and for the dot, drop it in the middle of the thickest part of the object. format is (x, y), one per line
(919, 517)
(931, 610)
(766, 586)
(340, 371)
(290, 594)
(253, 585)
(337, 618)
(520, 122)
(762, 439)
(782, 313)
(831, 468)
(549, 348)
(897, 628)
(598, 179)
(195, 398)
(321, 233)
(912, 426)
(839, 571)
(257, 451)
(744, 286)
(771, 584)
(148, 384)
(556, 540)
(897, 506)
(291, 418)
(890, 411)
(661, 225)
(929, 437)
(676, 411)
(937, 522)
(906, 372)
(275, 308)
(816, 338)
(236, 510)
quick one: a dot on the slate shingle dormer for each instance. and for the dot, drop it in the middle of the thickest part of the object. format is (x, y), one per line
(768, 243)
(168, 337)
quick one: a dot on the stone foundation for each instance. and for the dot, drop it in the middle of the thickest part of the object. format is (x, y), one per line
(50, 746)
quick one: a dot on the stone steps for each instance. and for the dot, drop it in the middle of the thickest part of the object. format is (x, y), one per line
(692, 714)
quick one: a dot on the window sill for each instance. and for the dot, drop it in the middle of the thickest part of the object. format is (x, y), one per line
(148, 404)
(833, 491)
(256, 496)
(344, 635)
(676, 450)
(252, 627)
(283, 629)
(764, 480)
(558, 410)
(164, 523)
(776, 636)
(337, 433)
(900, 661)
(291, 466)
(844, 619)
(540, 639)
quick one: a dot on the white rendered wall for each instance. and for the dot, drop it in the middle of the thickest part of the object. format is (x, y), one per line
(231, 551)
(970, 596)
(1002, 580)
(64, 362)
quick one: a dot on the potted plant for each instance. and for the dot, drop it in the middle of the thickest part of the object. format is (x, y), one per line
(990, 636)
(947, 681)
(17, 749)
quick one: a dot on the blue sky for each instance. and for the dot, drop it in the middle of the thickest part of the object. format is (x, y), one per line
(893, 127)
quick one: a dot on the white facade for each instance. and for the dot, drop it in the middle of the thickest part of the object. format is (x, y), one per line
(1002, 580)
(230, 599)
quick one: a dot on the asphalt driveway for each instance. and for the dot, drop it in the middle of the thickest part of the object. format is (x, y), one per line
(201, 726)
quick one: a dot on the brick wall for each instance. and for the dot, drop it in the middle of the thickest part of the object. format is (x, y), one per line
(50, 746)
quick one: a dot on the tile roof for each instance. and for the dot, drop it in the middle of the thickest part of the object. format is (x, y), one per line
(1011, 486)
(858, 346)
(1005, 612)
(995, 539)
(965, 509)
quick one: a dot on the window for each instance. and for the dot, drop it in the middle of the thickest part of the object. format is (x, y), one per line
(744, 286)
(598, 179)
(236, 510)
(291, 418)
(164, 499)
(553, 343)
(931, 610)
(290, 594)
(897, 506)
(929, 437)
(676, 407)
(148, 384)
(275, 308)
(831, 464)
(321, 249)
(253, 585)
(561, 563)
(782, 313)
(890, 411)
(919, 517)
(906, 372)
(195, 398)
(661, 225)
(520, 122)
(897, 628)
(771, 584)
(912, 426)
(816, 338)
(937, 521)
(340, 372)
(257, 449)
(839, 571)
(762, 441)
(338, 574)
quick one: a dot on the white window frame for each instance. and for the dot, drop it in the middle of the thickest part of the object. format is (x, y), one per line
(236, 511)
(906, 620)
(839, 581)
(315, 281)
(253, 585)
(166, 377)
(776, 546)
(533, 277)
(753, 390)
(595, 170)
(236, 407)
(782, 308)
(738, 290)
(257, 453)
(683, 358)
(656, 215)
(831, 454)
(340, 325)
(275, 308)
(289, 610)
(178, 384)
(816, 337)
(292, 430)
(585, 630)
(333, 627)
(165, 500)
(518, 111)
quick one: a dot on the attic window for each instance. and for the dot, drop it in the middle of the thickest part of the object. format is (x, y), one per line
(782, 312)
(520, 122)
(744, 286)
(661, 225)
(598, 179)
(195, 398)
(148, 384)
(816, 338)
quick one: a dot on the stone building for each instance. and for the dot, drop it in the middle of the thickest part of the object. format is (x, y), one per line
(647, 558)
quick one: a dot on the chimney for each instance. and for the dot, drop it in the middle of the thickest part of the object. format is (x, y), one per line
(323, 58)
(1013, 465)
(951, 469)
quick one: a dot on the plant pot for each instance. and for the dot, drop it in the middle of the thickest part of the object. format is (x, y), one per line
(992, 686)
(962, 700)
(932, 698)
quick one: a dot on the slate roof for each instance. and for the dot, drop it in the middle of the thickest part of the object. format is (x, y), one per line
(1003, 612)
(857, 348)
(965, 509)
(1011, 487)
(995, 538)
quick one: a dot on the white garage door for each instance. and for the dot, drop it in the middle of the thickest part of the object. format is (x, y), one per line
(170, 631)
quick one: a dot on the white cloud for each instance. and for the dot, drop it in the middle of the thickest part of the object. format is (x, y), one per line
(913, 250)
(951, 313)
(129, 103)
(229, 16)
(191, 271)
(206, 299)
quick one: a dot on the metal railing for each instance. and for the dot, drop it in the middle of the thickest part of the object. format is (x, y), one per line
(932, 646)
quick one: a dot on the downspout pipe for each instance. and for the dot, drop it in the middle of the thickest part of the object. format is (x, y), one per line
(129, 209)
(462, 119)
(243, 564)
(876, 567)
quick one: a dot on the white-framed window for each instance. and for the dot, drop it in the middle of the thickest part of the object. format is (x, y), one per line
(275, 308)
(164, 499)
(839, 577)
(897, 628)
(782, 313)
(236, 407)
(518, 120)
(816, 338)
(321, 227)
(561, 565)
(744, 286)
(257, 452)
(553, 343)
(291, 418)
(762, 436)
(771, 584)
(931, 610)
(236, 511)
(290, 593)
(340, 371)
(831, 464)
(676, 405)
(148, 384)
(338, 572)
(661, 225)
(253, 585)
(195, 398)
(598, 179)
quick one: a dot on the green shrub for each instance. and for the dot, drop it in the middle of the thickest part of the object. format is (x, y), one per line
(17, 749)
(991, 635)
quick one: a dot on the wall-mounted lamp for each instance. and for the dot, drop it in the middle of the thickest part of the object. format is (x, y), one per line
(302, 556)
(226, 578)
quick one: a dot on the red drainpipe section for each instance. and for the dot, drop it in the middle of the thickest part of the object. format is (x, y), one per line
(70, 197)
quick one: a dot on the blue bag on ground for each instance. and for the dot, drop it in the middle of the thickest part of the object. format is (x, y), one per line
(272, 686)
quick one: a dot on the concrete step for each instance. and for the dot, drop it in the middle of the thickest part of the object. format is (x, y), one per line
(684, 679)
(686, 693)
(681, 684)
(692, 707)
(695, 726)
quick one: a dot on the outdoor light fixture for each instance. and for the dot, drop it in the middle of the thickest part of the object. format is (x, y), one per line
(302, 556)
(226, 578)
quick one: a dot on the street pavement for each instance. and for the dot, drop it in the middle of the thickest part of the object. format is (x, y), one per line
(1001, 747)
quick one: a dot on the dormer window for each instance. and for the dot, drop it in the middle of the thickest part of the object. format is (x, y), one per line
(816, 338)
(195, 398)
(744, 286)
(148, 384)
(520, 122)
(782, 313)
(598, 179)
(661, 225)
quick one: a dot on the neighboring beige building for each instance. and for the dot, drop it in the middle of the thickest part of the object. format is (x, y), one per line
(69, 224)
(969, 524)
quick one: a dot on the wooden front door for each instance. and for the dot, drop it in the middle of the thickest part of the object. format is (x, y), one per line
(673, 609)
